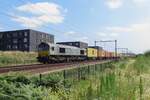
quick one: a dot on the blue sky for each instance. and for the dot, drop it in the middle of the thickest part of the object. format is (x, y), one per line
(128, 21)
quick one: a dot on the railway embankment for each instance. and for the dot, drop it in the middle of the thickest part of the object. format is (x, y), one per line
(11, 58)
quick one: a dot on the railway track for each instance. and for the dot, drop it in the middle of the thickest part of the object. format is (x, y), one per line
(37, 68)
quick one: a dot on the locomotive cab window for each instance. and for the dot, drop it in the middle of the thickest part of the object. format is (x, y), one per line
(43, 46)
(82, 52)
(52, 48)
(62, 50)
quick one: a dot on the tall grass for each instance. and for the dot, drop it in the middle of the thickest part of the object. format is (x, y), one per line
(124, 80)
(147, 53)
(16, 58)
(142, 63)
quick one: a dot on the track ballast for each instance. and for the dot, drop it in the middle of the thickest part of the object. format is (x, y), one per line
(41, 68)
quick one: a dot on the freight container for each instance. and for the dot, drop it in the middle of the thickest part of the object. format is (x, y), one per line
(91, 53)
(99, 51)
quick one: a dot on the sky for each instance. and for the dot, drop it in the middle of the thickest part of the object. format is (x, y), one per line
(127, 21)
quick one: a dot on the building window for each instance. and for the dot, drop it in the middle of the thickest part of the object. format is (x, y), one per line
(15, 41)
(20, 33)
(25, 40)
(41, 40)
(8, 47)
(77, 44)
(62, 50)
(25, 45)
(1, 36)
(70, 43)
(25, 33)
(47, 36)
(15, 47)
(15, 34)
(19, 46)
(42, 36)
(8, 35)
(9, 41)
(52, 48)
(82, 52)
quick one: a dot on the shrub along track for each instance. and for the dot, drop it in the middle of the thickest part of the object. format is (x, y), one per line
(43, 68)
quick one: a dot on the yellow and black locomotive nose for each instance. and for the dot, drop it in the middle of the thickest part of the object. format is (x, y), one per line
(43, 53)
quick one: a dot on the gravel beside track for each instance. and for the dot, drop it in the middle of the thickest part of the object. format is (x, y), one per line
(44, 68)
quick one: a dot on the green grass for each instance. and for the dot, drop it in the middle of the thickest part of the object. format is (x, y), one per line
(124, 80)
(17, 58)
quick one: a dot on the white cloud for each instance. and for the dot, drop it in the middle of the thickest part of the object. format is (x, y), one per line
(92, 10)
(139, 2)
(116, 29)
(41, 8)
(141, 28)
(114, 4)
(101, 34)
(114, 34)
(51, 19)
(70, 33)
(2, 27)
(32, 22)
(134, 28)
(139, 35)
(84, 39)
(41, 13)
(107, 34)
(76, 36)
(142, 4)
(65, 10)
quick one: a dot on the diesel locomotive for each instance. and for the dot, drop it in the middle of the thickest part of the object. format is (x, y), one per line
(49, 53)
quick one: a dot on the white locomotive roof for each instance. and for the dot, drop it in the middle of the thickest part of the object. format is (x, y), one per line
(60, 45)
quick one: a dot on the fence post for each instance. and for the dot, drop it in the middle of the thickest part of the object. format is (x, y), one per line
(141, 88)
(64, 75)
(102, 65)
(99, 66)
(95, 67)
(40, 78)
(79, 73)
(88, 70)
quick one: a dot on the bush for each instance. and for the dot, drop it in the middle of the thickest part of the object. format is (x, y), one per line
(52, 81)
(147, 53)
(141, 65)
(22, 79)
(5, 97)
